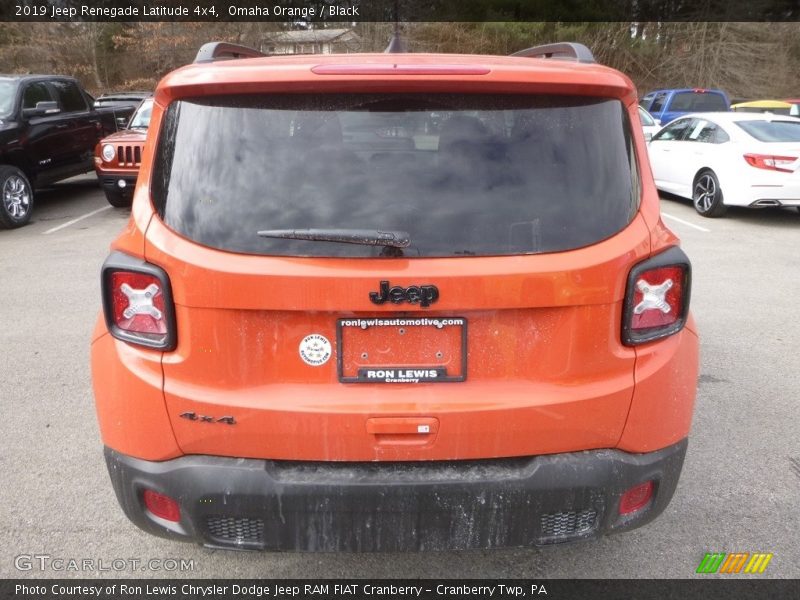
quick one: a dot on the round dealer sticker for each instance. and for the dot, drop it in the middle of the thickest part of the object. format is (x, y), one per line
(315, 350)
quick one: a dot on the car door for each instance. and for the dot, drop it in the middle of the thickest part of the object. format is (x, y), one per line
(702, 149)
(657, 107)
(666, 152)
(45, 132)
(78, 125)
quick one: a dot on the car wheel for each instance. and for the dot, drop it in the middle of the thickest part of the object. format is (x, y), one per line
(16, 198)
(707, 195)
(117, 199)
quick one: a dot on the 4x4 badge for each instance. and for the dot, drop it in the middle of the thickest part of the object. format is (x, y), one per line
(424, 295)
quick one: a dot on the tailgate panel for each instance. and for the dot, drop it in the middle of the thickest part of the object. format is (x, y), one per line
(257, 353)
(535, 386)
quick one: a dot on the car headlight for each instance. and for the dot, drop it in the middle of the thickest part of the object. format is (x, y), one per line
(108, 153)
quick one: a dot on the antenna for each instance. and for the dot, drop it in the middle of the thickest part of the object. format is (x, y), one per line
(397, 45)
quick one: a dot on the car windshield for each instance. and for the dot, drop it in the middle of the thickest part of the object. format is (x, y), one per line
(8, 94)
(647, 120)
(772, 131)
(463, 175)
(141, 118)
(698, 102)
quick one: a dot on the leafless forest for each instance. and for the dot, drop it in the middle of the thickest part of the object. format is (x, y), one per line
(748, 60)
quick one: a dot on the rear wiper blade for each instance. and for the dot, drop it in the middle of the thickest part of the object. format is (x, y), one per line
(365, 237)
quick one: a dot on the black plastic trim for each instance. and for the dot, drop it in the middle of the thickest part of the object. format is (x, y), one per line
(109, 182)
(562, 50)
(395, 506)
(119, 261)
(672, 257)
(213, 51)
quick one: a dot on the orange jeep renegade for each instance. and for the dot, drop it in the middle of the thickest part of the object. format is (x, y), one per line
(394, 302)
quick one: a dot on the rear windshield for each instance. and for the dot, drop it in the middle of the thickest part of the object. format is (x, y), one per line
(462, 175)
(698, 102)
(772, 131)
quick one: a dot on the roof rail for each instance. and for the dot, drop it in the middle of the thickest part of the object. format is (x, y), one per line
(562, 50)
(213, 51)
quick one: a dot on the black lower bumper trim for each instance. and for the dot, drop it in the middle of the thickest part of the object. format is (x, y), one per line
(111, 183)
(316, 506)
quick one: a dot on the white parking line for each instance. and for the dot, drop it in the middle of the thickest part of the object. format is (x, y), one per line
(663, 214)
(81, 218)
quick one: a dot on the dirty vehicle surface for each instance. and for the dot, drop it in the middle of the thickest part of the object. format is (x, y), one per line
(394, 302)
(48, 131)
(118, 156)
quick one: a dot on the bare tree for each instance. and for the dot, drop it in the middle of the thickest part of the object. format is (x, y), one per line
(749, 60)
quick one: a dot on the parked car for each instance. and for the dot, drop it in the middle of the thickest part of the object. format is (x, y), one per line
(729, 159)
(312, 340)
(666, 105)
(117, 157)
(124, 103)
(778, 107)
(649, 125)
(48, 131)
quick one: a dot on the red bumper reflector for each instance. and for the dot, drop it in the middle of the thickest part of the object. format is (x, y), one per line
(162, 506)
(636, 498)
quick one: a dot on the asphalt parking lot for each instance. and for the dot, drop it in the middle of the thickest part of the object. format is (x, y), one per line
(738, 492)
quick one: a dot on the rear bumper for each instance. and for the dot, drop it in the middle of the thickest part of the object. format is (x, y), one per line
(777, 190)
(771, 199)
(316, 506)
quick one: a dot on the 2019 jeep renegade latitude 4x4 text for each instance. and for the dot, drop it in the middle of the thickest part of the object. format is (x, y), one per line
(394, 302)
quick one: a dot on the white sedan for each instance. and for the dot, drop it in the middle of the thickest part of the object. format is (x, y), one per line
(649, 124)
(729, 159)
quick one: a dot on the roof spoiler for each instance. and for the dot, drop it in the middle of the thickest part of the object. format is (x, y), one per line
(561, 50)
(213, 51)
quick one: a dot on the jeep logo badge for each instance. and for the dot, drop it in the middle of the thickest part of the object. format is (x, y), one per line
(424, 295)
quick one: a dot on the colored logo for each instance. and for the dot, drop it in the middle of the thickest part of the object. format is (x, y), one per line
(736, 562)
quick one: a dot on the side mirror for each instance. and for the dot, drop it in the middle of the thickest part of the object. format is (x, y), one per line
(648, 136)
(122, 122)
(42, 108)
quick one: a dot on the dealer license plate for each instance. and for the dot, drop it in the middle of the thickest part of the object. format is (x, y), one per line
(402, 349)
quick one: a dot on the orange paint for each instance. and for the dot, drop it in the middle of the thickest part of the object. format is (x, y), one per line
(546, 370)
